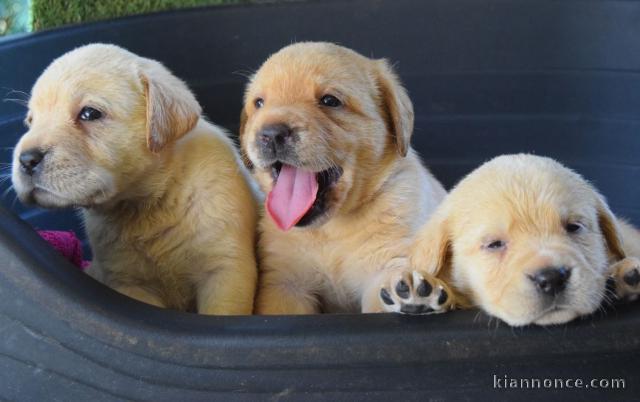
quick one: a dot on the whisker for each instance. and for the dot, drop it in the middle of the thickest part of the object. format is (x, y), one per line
(15, 199)
(248, 74)
(17, 92)
(6, 192)
(20, 102)
(495, 329)
(477, 316)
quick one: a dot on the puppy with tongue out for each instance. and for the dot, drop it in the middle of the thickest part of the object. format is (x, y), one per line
(326, 133)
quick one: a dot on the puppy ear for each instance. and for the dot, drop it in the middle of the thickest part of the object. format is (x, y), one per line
(397, 106)
(172, 109)
(610, 230)
(432, 248)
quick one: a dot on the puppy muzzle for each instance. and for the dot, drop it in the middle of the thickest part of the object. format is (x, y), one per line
(277, 143)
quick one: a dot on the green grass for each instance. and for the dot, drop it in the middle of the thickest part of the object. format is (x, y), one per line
(53, 13)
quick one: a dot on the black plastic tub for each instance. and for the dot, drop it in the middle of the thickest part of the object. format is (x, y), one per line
(556, 78)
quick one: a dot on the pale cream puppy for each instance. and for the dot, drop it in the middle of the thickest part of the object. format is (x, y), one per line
(168, 209)
(527, 240)
(327, 133)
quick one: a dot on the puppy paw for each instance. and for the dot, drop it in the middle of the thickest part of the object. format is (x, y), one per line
(626, 275)
(415, 293)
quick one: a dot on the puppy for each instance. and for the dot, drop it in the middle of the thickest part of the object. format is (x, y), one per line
(527, 240)
(327, 134)
(168, 210)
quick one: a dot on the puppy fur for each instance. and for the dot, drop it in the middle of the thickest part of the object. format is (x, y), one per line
(513, 218)
(383, 193)
(168, 207)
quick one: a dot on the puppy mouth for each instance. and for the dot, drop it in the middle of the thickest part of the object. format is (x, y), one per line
(46, 198)
(556, 315)
(299, 196)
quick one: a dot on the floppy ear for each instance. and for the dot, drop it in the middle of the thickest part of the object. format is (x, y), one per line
(243, 121)
(432, 248)
(397, 106)
(172, 110)
(610, 230)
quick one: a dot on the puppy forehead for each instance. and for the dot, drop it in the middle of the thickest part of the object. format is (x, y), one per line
(529, 194)
(104, 71)
(309, 66)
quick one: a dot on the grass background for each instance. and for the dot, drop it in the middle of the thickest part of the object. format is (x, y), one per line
(53, 13)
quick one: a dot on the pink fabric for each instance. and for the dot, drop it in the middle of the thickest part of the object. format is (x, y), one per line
(68, 244)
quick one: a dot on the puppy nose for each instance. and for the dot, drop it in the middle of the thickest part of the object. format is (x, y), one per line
(551, 281)
(30, 159)
(275, 134)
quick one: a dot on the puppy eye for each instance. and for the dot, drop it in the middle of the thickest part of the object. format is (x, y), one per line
(330, 101)
(28, 121)
(496, 245)
(258, 103)
(573, 227)
(89, 114)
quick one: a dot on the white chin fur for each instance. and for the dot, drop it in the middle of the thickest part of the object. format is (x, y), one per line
(46, 199)
(555, 317)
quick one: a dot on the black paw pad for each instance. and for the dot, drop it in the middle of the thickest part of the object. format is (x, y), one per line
(386, 297)
(632, 278)
(402, 289)
(415, 309)
(424, 288)
(443, 297)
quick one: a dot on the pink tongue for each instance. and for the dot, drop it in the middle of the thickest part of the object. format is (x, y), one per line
(292, 196)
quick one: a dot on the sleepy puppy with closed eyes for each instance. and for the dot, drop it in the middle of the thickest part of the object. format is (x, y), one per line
(525, 239)
(167, 206)
(327, 134)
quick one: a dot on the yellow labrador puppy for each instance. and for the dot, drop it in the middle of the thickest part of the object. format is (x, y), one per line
(527, 240)
(168, 209)
(327, 134)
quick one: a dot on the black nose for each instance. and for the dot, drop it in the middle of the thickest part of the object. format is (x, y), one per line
(275, 134)
(30, 159)
(552, 280)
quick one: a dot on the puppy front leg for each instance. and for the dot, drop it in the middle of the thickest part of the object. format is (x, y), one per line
(141, 294)
(230, 289)
(286, 287)
(285, 299)
(400, 289)
(135, 292)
